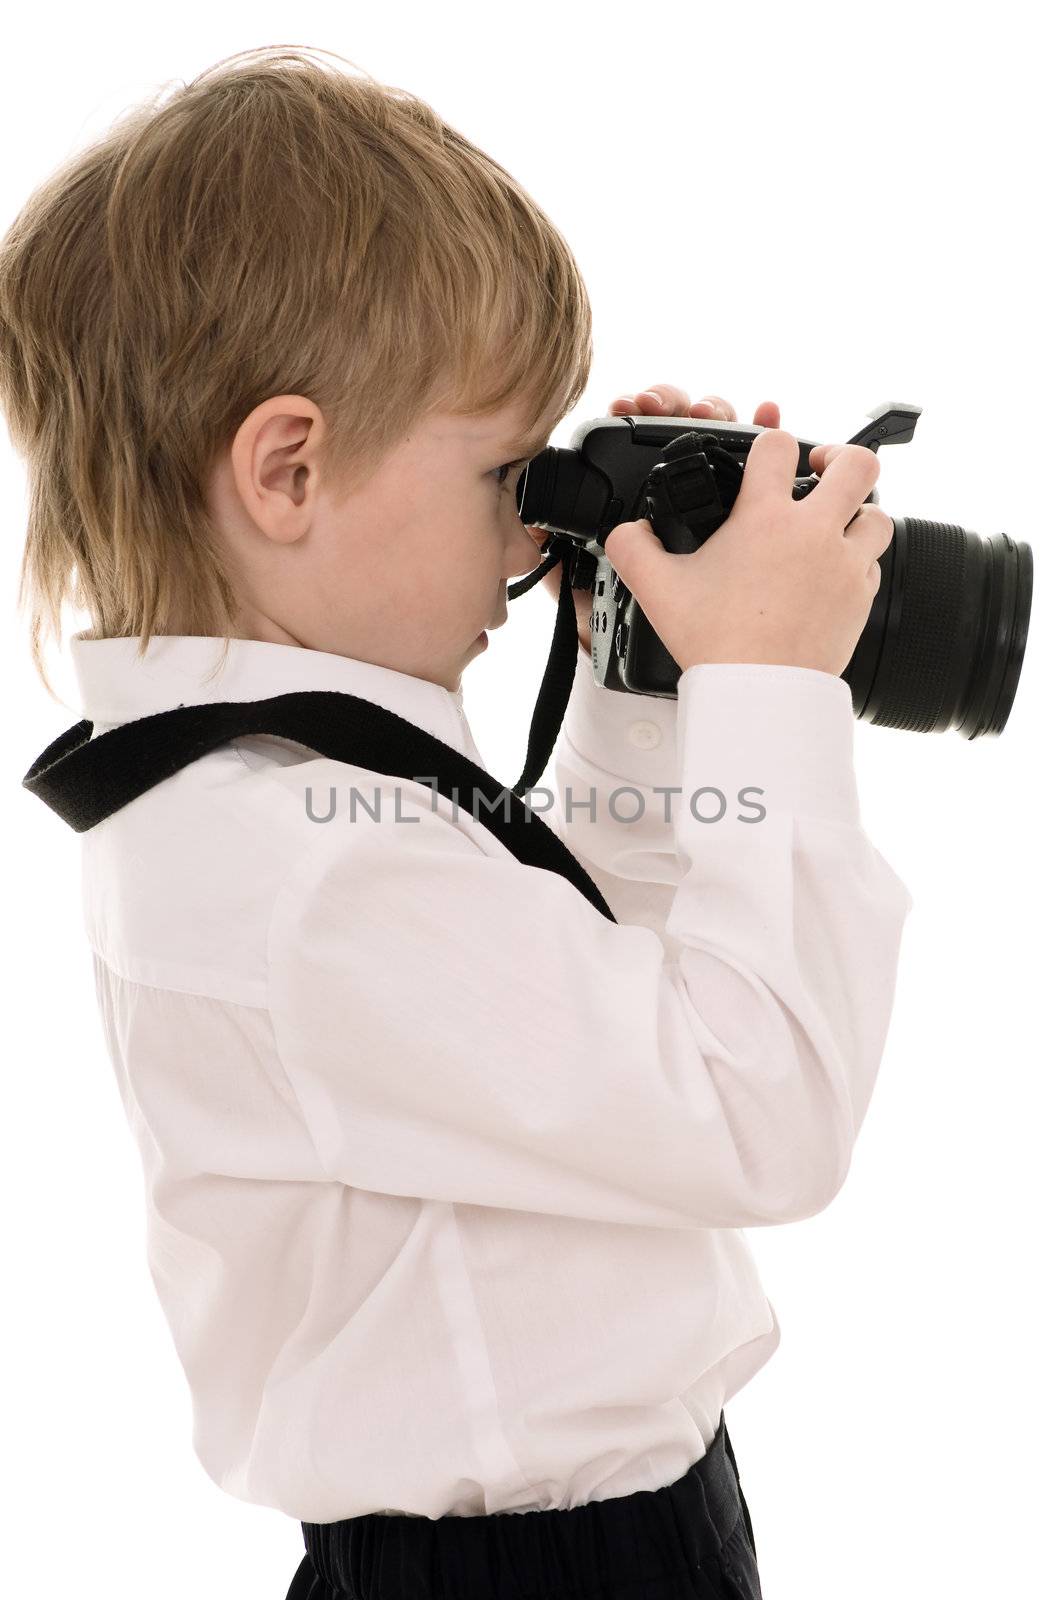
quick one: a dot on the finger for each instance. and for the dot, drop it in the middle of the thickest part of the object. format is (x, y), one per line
(721, 409)
(771, 466)
(848, 476)
(664, 400)
(639, 560)
(767, 415)
(820, 454)
(870, 530)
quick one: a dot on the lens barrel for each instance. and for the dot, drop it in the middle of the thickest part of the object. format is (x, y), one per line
(944, 641)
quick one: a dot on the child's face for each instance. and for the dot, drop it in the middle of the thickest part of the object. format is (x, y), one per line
(406, 572)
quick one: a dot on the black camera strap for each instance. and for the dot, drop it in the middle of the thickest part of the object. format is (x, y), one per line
(85, 780)
(555, 690)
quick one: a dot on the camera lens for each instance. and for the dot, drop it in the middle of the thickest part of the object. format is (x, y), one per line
(944, 641)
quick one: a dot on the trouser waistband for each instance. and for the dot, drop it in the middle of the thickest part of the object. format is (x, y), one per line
(685, 1541)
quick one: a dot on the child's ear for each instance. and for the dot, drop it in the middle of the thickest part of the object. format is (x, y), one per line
(274, 460)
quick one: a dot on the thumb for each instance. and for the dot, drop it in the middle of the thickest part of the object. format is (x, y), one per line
(636, 554)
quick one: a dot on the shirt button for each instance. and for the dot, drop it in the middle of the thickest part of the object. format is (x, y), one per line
(644, 735)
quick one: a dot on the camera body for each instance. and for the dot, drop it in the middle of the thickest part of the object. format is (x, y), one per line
(687, 494)
(682, 473)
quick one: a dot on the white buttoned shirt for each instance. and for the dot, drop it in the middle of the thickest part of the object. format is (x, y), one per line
(446, 1174)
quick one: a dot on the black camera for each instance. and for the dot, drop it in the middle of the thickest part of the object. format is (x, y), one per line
(943, 644)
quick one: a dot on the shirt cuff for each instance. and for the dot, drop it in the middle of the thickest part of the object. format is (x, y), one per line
(785, 731)
(629, 735)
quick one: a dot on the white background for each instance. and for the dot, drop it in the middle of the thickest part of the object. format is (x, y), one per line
(828, 206)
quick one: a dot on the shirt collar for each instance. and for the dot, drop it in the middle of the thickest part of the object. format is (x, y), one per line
(116, 684)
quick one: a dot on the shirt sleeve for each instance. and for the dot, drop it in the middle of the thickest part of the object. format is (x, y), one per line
(611, 796)
(460, 1026)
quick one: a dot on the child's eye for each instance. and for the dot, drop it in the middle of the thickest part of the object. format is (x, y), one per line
(510, 466)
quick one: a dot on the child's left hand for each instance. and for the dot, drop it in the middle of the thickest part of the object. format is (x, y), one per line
(663, 401)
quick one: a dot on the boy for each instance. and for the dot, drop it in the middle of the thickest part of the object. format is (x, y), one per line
(446, 1171)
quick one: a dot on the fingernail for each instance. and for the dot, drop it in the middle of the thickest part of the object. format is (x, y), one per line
(626, 400)
(653, 395)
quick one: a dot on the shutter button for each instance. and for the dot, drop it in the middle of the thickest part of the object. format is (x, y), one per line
(644, 735)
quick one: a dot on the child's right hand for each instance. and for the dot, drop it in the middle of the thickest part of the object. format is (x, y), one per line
(782, 581)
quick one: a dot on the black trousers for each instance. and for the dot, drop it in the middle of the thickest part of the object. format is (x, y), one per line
(691, 1540)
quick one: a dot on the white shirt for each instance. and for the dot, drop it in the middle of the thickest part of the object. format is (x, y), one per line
(445, 1173)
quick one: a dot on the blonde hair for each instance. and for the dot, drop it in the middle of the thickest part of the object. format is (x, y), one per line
(275, 226)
